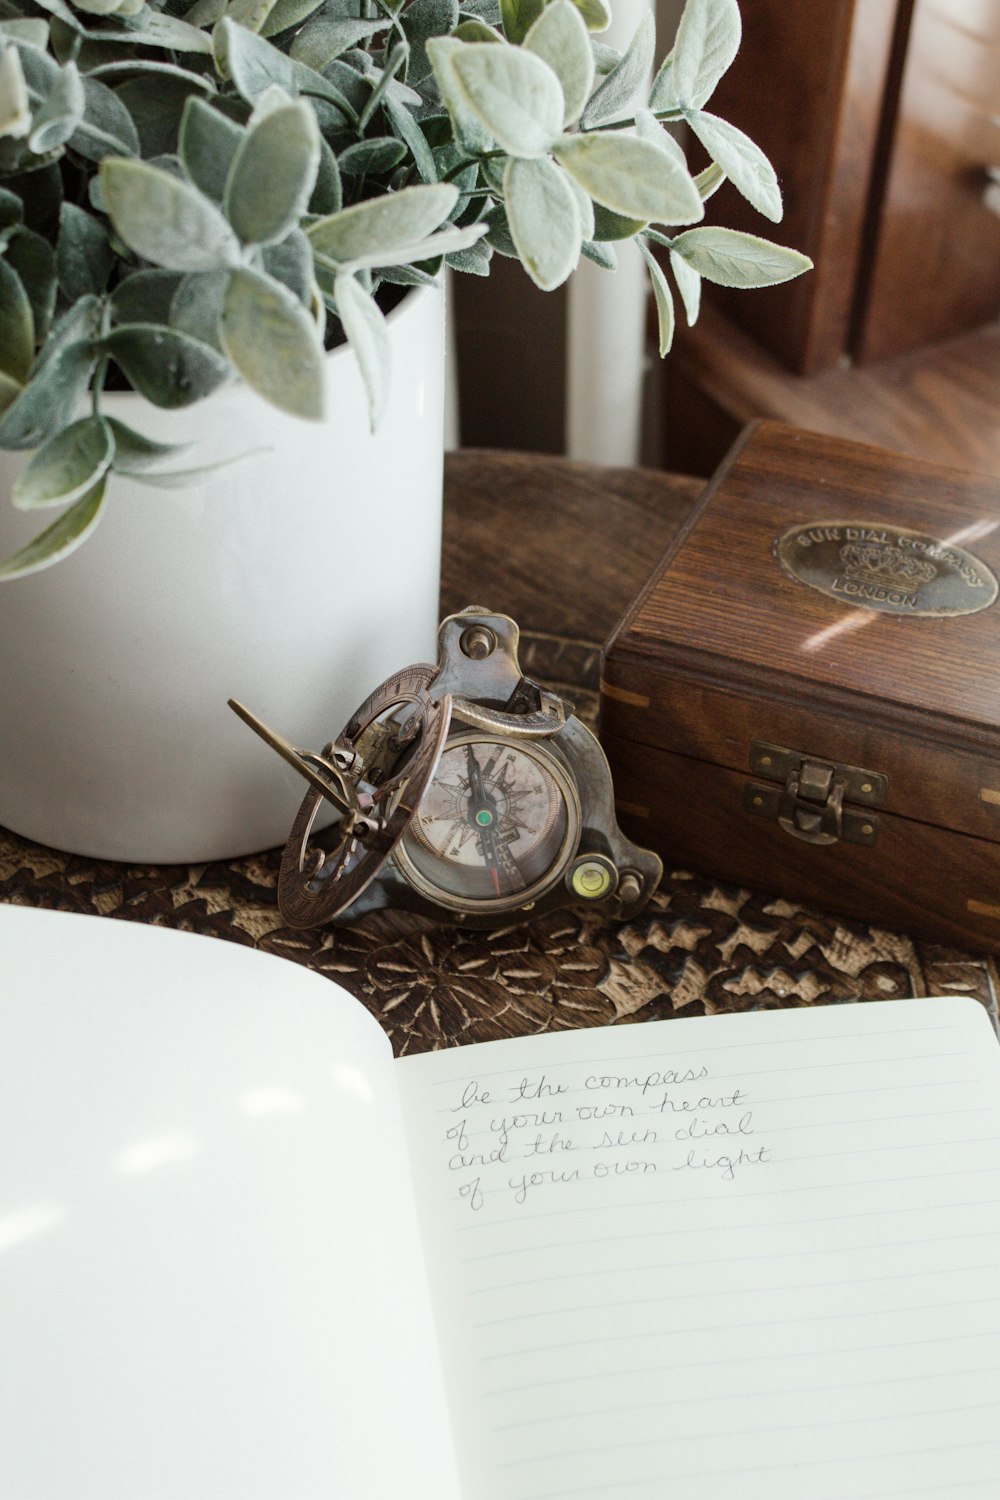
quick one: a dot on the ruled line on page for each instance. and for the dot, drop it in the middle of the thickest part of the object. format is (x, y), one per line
(743, 1359)
(743, 1471)
(724, 1260)
(541, 1119)
(773, 1191)
(767, 1224)
(719, 1047)
(730, 1327)
(759, 1392)
(853, 1421)
(678, 1298)
(798, 1067)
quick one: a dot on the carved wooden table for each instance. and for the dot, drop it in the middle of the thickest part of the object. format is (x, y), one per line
(563, 548)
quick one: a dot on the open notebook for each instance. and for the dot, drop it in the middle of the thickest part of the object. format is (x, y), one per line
(245, 1255)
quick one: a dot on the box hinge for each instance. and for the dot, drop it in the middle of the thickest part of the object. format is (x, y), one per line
(810, 804)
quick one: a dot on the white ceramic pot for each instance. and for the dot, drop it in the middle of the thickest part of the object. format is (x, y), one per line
(295, 581)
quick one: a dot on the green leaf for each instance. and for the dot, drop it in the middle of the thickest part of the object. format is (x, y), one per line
(33, 258)
(513, 93)
(559, 37)
(145, 297)
(366, 333)
(615, 97)
(421, 20)
(196, 306)
(11, 389)
(11, 210)
(518, 16)
(596, 14)
(663, 298)
(412, 136)
(601, 255)
(156, 104)
(165, 220)
(274, 344)
(469, 132)
(252, 63)
(326, 37)
(169, 368)
(708, 38)
(30, 29)
(84, 257)
(610, 226)
(743, 162)
(689, 285)
(377, 155)
(207, 142)
(15, 107)
(709, 181)
(17, 326)
(157, 29)
(180, 479)
(287, 13)
(380, 224)
(107, 128)
(631, 177)
(272, 175)
(59, 539)
(448, 241)
(649, 128)
(68, 465)
(291, 263)
(133, 452)
(474, 260)
(60, 114)
(544, 220)
(731, 258)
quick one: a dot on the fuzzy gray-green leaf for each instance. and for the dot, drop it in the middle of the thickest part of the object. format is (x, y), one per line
(559, 37)
(274, 344)
(731, 258)
(615, 97)
(17, 326)
(324, 38)
(544, 220)
(60, 112)
(708, 38)
(662, 296)
(378, 224)
(59, 539)
(165, 220)
(689, 285)
(134, 452)
(15, 106)
(66, 466)
(33, 259)
(743, 162)
(83, 255)
(169, 368)
(421, 20)
(631, 177)
(50, 398)
(513, 93)
(107, 129)
(272, 175)
(207, 143)
(250, 62)
(367, 336)
(518, 16)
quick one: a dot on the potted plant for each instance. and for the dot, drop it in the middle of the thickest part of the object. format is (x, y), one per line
(199, 203)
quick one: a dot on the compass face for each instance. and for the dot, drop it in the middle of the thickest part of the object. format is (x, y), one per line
(496, 827)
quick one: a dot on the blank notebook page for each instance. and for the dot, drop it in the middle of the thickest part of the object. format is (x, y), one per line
(751, 1255)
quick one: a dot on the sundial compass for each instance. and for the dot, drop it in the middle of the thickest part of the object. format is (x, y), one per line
(461, 789)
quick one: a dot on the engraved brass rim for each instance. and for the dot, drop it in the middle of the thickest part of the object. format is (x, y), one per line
(888, 569)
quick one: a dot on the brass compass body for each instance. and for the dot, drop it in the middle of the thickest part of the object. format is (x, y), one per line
(463, 791)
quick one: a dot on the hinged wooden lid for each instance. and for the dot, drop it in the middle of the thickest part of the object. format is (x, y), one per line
(873, 546)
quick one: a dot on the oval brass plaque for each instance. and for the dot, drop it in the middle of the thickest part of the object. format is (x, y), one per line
(886, 568)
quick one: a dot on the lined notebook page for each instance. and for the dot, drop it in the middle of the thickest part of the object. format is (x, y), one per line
(751, 1255)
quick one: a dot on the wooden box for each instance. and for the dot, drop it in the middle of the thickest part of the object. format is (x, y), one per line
(806, 696)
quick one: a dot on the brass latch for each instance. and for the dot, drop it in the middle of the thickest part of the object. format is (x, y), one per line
(810, 804)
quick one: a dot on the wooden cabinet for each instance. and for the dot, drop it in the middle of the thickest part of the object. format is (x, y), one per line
(882, 125)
